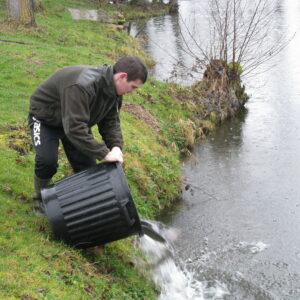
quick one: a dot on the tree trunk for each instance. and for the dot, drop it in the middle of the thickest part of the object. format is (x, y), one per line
(21, 11)
(173, 6)
(37, 5)
(143, 3)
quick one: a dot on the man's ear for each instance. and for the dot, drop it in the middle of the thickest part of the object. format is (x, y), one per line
(122, 75)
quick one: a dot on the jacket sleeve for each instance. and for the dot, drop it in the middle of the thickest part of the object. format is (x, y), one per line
(110, 129)
(75, 117)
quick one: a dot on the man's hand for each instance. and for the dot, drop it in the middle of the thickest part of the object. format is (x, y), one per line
(115, 154)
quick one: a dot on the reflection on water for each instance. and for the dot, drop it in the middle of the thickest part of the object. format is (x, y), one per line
(172, 61)
(241, 192)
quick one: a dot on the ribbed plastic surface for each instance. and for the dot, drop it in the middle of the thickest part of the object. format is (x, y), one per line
(92, 207)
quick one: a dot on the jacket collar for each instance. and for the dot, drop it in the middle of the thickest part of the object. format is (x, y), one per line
(109, 86)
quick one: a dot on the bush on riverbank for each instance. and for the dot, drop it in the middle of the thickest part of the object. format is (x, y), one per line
(159, 122)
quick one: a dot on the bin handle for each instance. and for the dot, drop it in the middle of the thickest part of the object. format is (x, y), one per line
(124, 204)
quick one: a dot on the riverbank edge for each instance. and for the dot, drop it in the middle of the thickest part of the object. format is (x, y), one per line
(161, 124)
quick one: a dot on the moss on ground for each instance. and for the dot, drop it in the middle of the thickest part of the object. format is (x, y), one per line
(32, 264)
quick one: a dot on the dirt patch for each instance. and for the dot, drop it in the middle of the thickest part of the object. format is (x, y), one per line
(19, 139)
(142, 113)
(38, 62)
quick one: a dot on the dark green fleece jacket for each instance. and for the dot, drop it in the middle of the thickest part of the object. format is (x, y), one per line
(76, 98)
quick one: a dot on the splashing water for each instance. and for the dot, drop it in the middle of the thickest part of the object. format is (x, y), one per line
(254, 247)
(169, 274)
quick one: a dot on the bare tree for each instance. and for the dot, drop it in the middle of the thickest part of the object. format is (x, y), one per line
(21, 11)
(239, 35)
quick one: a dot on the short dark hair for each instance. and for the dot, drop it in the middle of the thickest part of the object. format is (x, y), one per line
(133, 66)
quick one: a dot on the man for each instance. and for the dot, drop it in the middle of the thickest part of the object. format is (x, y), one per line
(65, 107)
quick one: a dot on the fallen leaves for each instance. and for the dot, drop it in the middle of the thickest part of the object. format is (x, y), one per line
(6, 188)
(49, 255)
(31, 73)
(38, 62)
(27, 297)
(90, 289)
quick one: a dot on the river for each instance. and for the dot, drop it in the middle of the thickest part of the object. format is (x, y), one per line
(240, 218)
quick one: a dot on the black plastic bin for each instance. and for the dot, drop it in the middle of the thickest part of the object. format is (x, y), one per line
(92, 207)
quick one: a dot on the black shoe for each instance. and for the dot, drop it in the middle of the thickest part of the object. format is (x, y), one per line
(38, 208)
(38, 205)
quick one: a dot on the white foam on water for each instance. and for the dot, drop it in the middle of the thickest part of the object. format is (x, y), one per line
(171, 276)
(253, 247)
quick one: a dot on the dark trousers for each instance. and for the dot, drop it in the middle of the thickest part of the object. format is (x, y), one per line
(46, 141)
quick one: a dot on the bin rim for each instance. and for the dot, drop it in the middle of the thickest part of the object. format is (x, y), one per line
(138, 224)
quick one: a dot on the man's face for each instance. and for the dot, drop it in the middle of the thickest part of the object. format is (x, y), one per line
(123, 86)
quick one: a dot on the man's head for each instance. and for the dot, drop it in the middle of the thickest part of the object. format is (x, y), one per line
(129, 74)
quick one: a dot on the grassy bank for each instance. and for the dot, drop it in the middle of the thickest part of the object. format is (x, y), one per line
(159, 127)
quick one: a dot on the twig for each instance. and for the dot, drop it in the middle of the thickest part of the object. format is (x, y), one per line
(16, 42)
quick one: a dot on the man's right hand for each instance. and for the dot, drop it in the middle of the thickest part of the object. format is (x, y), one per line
(114, 155)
